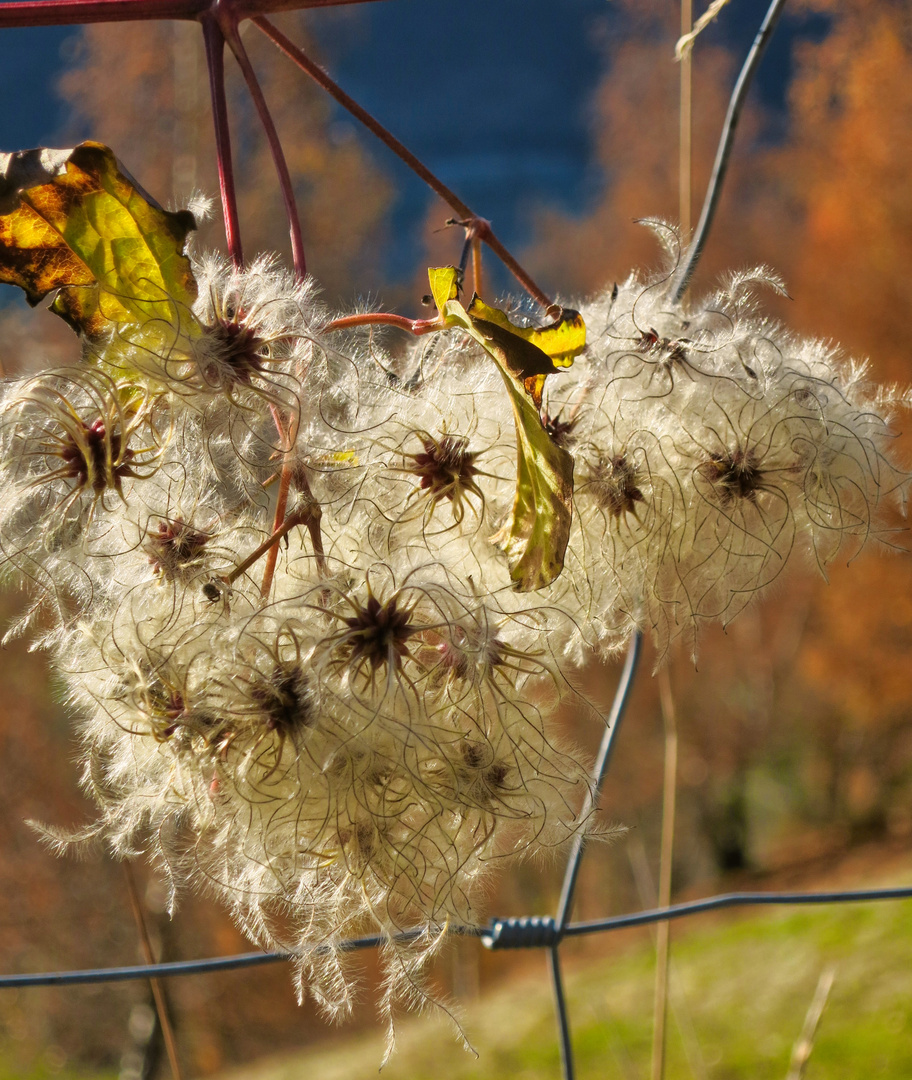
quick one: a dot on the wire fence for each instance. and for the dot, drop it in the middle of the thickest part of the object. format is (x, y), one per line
(523, 932)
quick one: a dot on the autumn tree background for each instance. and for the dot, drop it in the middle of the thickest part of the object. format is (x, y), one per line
(804, 711)
(795, 725)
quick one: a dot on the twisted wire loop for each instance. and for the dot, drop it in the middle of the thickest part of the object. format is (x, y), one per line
(525, 932)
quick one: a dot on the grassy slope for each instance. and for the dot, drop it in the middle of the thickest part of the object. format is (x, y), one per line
(740, 990)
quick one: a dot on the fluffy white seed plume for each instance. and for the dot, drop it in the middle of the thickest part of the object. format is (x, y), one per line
(711, 445)
(339, 731)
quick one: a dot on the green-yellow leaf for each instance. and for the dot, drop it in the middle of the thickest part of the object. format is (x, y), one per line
(561, 341)
(74, 221)
(444, 285)
(536, 537)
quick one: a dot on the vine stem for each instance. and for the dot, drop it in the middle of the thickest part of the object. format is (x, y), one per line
(215, 60)
(383, 318)
(219, 19)
(230, 31)
(220, 26)
(723, 154)
(309, 516)
(272, 554)
(477, 276)
(482, 228)
(212, 13)
(84, 12)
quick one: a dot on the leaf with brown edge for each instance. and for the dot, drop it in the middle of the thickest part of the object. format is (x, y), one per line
(75, 221)
(561, 341)
(524, 359)
(536, 536)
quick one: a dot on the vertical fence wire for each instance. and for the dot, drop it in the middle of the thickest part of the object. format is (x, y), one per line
(565, 904)
(606, 750)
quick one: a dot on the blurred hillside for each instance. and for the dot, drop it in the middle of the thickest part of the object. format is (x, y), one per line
(795, 724)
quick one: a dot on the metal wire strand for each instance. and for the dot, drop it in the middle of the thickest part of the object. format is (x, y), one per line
(612, 724)
(621, 697)
(560, 1010)
(738, 899)
(489, 934)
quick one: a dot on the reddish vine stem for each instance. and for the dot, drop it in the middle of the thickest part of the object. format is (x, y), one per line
(85, 12)
(272, 545)
(229, 29)
(383, 318)
(272, 552)
(271, 542)
(215, 60)
(477, 280)
(482, 227)
(219, 26)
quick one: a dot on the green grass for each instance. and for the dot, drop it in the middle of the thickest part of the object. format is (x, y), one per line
(739, 993)
(48, 1069)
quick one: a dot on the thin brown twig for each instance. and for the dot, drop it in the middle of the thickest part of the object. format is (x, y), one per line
(309, 514)
(680, 1008)
(85, 12)
(158, 992)
(485, 233)
(663, 931)
(801, 1052)
(666, 698)
(272, 553)
(382, 318)
(297, 517)
(685, 158)
(477, 279)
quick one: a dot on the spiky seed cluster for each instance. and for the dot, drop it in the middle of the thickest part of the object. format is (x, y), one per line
(342, 729)
(376, 636)
(446, 470)
(175, 548)
(612, 482)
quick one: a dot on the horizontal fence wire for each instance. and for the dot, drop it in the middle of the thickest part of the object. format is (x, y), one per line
(514, 933)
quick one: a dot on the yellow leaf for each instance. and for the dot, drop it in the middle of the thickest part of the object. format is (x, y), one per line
(536, 536)
(73, 221)
(561, 341)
